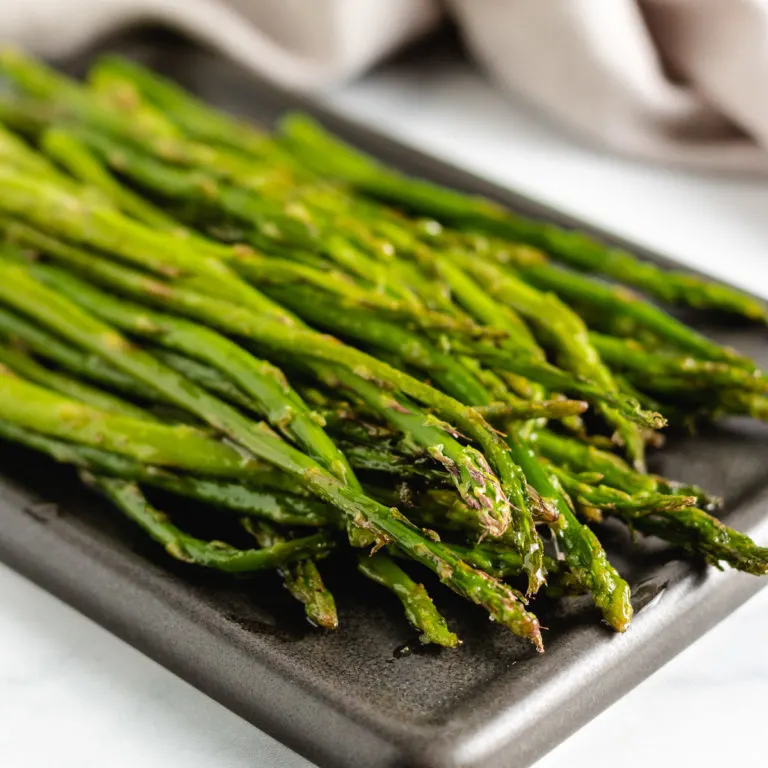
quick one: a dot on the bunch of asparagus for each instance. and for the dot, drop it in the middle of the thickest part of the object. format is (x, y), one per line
(282, 329)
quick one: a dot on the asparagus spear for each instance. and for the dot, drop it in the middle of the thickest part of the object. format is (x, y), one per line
(473, 477)
(17, 153)
(18, 289)
(467, 467)
(484, 308)
(700, 400)
(582, 457)
(582, 252)
(701, 534)
(204, 285)
(242, 322)
(583, 552)
(169, 267)
(117, 93)
(279, 222)
(630, 355)
(208, 378)
(419, 608)
(366, 458)
(505, 564)
(59, 98)
(182, 447)
(17, 331)
(533, 409)
(127, 497)
(106, 230)
(266, 271)
(326, 154)
(302, 579)
(568, 332)
(585, 555)
(612, 299)
(55, 209)
(65, 148)
(195, 118)
(260, 380)
(476, 483)
(269, 494)
(604, 497)
(365, 327)
(206, 190)
(451, 376)
(27, 368)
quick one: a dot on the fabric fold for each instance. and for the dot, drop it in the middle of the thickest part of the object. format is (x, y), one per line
(676, 81)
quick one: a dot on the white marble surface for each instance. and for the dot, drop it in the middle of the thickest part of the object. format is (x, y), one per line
(72, 695)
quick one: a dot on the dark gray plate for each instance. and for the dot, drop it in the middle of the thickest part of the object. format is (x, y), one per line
(346, 699)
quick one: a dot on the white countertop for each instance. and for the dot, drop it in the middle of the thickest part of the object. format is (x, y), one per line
(73, 696)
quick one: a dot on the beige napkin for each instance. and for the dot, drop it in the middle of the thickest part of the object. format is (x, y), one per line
(301, 43)
(682, 81)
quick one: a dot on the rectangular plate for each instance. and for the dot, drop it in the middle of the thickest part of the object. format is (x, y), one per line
(345, 699)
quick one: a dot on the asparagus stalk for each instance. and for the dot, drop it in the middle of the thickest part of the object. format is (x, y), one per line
(582, 457)
(302, 579)
(451, 375)
(326, 154)
(275, 271)
(109, 88)
(611, 299)
(471, 473)
(15, 152)
(105, 229)
(18, 289)
(65, 148)
(583, 552)
(701, 534)
(128, 498)
(511, 478)
(689, 399)
(630, 355)
(69, 254)
(178, 446)
(282, 222)
(59, 98)
(476, 483)
(568, 332)
(582, 252)
(365, 327)
(585, 555)
(604, 497)
(419, 608)
(269, 494)
(195, 118)
(27, 368)
(242, 322)
(302, 218)
(533, 409)
(474, 478)
(74, 217)
(484, 308)
(367, 458)
(208, 378)
(17, 331)
(261, 381)
(505, 564)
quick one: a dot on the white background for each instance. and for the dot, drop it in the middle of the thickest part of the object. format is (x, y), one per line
(73, 696)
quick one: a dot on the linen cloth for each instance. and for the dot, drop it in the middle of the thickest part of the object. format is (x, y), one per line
(679, 81)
